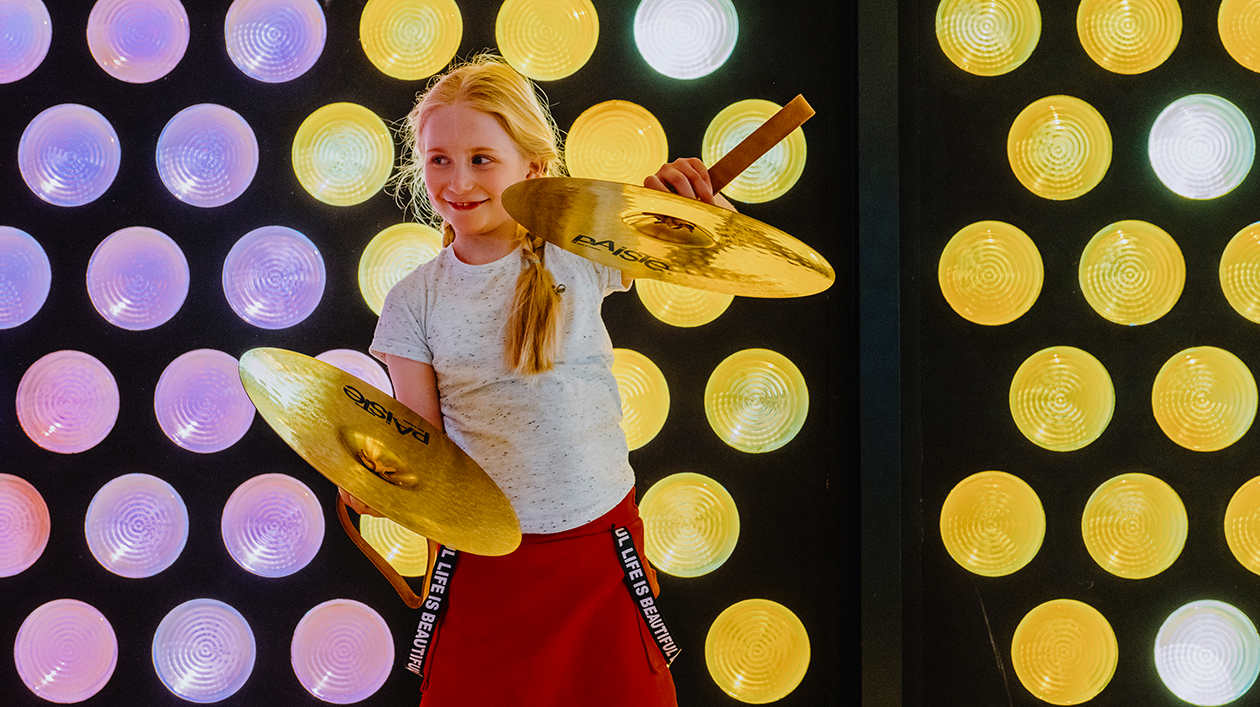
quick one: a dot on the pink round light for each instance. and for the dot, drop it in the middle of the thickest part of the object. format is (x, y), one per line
(24, 525)
(25, 277)
(200, 402)
(69, 155)
(274, 277)
(275, 40)
(207, 155)
(67, 402)
(66, 651)
(138, 41)
(26, 31)
(359, 365)
(273, 525)
(137, 278)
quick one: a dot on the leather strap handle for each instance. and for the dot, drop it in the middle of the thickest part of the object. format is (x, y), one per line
(409, 597)
(750, 149)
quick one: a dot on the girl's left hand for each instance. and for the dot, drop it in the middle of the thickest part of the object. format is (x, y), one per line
(687, 177)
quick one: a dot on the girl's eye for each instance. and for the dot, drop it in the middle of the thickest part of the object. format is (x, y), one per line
(481, 159)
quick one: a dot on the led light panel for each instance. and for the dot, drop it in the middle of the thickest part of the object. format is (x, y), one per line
(991, 273)
(1062, 398)
(992, 523)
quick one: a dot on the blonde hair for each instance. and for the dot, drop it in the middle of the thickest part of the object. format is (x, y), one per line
(488, 84)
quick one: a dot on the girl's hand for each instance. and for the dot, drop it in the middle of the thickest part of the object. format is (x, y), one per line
(687, 177)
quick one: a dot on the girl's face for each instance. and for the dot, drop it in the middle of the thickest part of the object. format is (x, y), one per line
(469, 159)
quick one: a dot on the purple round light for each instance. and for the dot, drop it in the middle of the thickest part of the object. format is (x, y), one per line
(25, 277)
(136, 525)
(359, 365)
(204, 650)
(207, 155)
(137, 278)
(69, 155)
(138, 41)
(67, 402)
(273, 525)
(273, 277)
(200, 402)
(65, 651)
(342, 651)
(275, 40)
(25, 36)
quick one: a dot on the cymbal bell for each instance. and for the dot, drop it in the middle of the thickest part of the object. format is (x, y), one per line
(379, 450)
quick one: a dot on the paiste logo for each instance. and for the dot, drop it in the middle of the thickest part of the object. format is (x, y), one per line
(404, 428)
(633, 256)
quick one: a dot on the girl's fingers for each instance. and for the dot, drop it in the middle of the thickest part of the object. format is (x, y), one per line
(686, 177)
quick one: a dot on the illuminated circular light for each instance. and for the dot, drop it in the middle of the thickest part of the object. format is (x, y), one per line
(686, 39)
(1062, 398)
(137, 278)
(691, 524)
(1134, 526)
(1242, 525)
(991, 273)
(275, 40)
(69, 155)
(200, 403)
(988, 37)
(1132, 272)
(756, 400)
(66, 651)
(547, 39)
(67, 402)
(138, 41)
(1059, 147)
(1202, 146)
(25, 277)
(757, 651)
(136, 526)
(392, 255)
(1238, 21)
(679, 305)
(25, 525)
(775, 172)
(1064, 652)
(616, 141)
(410, 39)
(343, 154)
(204, 650)
(1240, 272)
(359, 365)
(26, 35)
(405, 550)
(207, 155)
(1204, 398)
(273, 525)
(644, 396)
(274, 277)
(342, 651)
(992, 523)
(1129, 36)
(1207, 653)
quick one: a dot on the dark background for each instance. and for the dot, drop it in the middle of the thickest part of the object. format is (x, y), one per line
(788, 499)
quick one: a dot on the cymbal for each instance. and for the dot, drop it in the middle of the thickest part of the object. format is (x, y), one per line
(662, 236)
(380, 451)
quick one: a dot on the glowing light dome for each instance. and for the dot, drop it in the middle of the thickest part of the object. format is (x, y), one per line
(1202, 146)
(204, 650)
(616, 141)
(200, 402)
(775, 172)
(757, 651)
(679, 305)
(52, 671)
(1062, 398)
(69, 155)
(343, 154)
(410, 39)
(756, 400)
(137, 278)
(1236, 22)
(1242, 525)
(1208, 653)
(275, 40)
(25, 525)
(990, 273)
(274, 277)
(359, 365)
(136, 526)
(686, 39)
(207, 155)
(342, 651)
(1240, 272)
(404, 549)
(1204, 398)
(25, 277)
(67, 402)
(392, 255)
(1059, 147)
(1134, 526)
(1129, 36)
(992, 523)
(1132, 272)
(273, 525)
(644, 396)
(691, 524)
(138, 41)
(1064, 652)
(27, 36)
(547, 39)
(988, 37)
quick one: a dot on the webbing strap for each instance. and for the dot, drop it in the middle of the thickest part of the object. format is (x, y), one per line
(641, 593)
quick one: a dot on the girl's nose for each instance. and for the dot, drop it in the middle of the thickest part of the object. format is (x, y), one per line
(461, 178)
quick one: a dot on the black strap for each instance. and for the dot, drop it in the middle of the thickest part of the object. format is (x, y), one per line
(432, 610)
(641, 593)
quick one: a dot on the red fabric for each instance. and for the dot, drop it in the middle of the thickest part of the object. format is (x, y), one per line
(551, 624)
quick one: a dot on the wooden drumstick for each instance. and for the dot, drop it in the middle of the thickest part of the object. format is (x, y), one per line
(774, 130)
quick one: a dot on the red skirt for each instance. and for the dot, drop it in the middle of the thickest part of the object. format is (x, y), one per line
(552, 623)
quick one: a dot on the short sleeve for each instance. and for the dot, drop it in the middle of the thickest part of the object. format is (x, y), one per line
(400, 331)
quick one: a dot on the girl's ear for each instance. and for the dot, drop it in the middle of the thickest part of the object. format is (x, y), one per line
(535, 171)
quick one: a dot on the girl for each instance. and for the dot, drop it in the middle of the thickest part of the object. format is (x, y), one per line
(498, 341)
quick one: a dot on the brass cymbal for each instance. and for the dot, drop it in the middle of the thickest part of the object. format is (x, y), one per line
(380, 451)
(653, 234)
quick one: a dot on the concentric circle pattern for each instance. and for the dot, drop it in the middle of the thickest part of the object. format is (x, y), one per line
(25, 36)
(1062, 398)
(273, 525)
(1208, 653)
(679, 305)
(342, 651)
(410, 39)
(136, 526)
(644, 396)
(992, 523)
(274, 277)
(200, 402)
(204, 650)
(756, 400)
(69, 155)
(137, 278)
(1238, 22)
(275, 40)
(343, 154)
(67, 402)
(25, 277)
(1202, 146)
(207, 155)
(138, 41)
(25, 525)
(1242, 525)
(1204, 398)
(547, 40)
(1129, 36)
(1059, 147)
(757, 651)
(1134, 526)
(1240, 272)
(359, 365)
(988, 37)
(392, 255)
(1064, 652)
(686, 39)
(775, 172)
(404, 549)
(616, 141)
(691, 524)
(991, 273)
(66, 651)
(1132, 272)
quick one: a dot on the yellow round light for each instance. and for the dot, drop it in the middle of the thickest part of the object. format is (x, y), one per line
(757, 651)
(691, 524)
(616, 141)
(547, 39)
(775, 172)
(1129, 36)
(1064, 652)
(680, 305)
(405, 550)
(1242, 525)
(1204, 398)
(392, 255)
(756, 400)
(1240, 272)
(1238, 22)
(988, 37)
(342, 154)
(991, 273)
(410, 39)
(1132, 272)
(1134, 526)
(992, 523)
(1059, 147)
(644, 396)
(1062, 398)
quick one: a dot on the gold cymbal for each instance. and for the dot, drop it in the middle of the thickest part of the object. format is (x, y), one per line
(662, 236)
(380, 451)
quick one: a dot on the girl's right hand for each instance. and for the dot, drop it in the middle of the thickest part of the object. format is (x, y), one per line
(689, 177)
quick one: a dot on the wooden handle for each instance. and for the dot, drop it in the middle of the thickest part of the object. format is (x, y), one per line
(409, 597)
(771, 133)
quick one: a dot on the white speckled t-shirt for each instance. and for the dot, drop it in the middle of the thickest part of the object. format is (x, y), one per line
(553, 442)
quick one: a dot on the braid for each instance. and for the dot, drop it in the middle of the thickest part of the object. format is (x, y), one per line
(533, 330)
